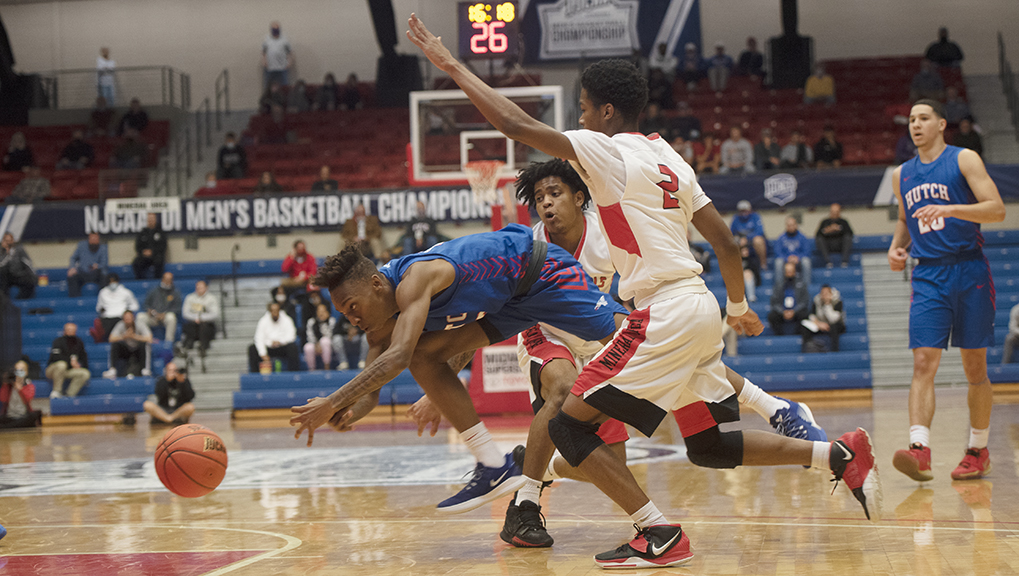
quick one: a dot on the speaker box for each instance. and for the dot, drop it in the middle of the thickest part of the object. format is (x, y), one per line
(397, 75)
(791, 58)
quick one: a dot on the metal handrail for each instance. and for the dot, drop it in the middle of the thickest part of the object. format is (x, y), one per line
(203, 127)
(78, 88)
(222, 87)
(1008, 84)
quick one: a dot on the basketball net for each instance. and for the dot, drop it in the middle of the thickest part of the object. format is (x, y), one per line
(483, 176)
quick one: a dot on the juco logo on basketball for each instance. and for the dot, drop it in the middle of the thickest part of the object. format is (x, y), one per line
(191, 460)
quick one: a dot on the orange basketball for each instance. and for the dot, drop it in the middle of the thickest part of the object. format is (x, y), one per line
(191, 460)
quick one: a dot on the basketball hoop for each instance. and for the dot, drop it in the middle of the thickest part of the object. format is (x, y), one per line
(483, 176)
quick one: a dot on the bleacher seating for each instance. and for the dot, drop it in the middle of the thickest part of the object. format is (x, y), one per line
(286, 389)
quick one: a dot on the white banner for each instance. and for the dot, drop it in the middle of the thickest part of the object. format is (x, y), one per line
(135, 205)
(501, 371)
(572, 29)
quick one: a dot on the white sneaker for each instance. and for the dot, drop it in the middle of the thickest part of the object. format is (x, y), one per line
(146, 372)
(130, 376)
(360, 364)
(343, 366)
(55, 394)
(111, 373)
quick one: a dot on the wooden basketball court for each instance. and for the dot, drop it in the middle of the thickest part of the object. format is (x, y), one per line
(85, 500)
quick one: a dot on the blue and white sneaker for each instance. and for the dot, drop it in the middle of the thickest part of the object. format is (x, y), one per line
(796, 421)
(486, 484)
(3, 532)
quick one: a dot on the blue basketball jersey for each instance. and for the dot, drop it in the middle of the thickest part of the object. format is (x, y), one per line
(940, 182)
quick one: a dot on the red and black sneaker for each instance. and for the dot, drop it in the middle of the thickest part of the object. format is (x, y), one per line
(652, 547)
(852, 461)
(525, 526)
(975, 464)
(914, 462)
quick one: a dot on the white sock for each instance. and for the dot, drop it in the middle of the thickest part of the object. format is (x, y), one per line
(820, 458)
(550, 473)
(481, 445)
(531, 490)
(978, 438)
(920, 435)
(648, 515)
(760, 401)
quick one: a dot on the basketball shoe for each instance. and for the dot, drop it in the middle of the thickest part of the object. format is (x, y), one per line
(652, 547)
(525, 526)
(486, 484)
(3, 532)
(975, 464)
(796, 421)
(915, 462)
(852, 461)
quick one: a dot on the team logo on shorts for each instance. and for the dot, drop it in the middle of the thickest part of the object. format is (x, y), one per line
(601, 302)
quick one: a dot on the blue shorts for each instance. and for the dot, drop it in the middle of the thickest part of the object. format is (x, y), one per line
(564, 296)
(956, 300)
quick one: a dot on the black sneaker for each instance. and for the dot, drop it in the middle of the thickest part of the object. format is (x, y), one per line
(652, 547)
(525, 526)
(128, 420)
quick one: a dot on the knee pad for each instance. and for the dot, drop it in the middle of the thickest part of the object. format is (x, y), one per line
(714, 449)
(574, 439)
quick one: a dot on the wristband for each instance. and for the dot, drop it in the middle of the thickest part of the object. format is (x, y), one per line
(734, 309)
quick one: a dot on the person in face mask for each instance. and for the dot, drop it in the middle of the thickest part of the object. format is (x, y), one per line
(16, 394)
(277, 56)
(232, 161)
(162, 307)
(68, 359)
(114, 299)
(89, 265)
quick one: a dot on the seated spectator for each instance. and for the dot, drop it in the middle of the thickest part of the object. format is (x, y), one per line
(19, 156)
(135, 119)
(827, 319)
(162, 307)
(927, 83)
(944, 52)
(718, 67)
(300, 267)
(955, 107)
(200, 312)
(16, 394)
(1012, 338)
(288, 305)
(100, 118)
(422, 232)
(659, 89)
(751, 61)
(707, 154)
(834, 234)
(114, 299)
(78, 154)
(751, 267)
(685, 149)
(966, 137)
(150, 249)
(90, 263)
(275, 337)
(324, 182)
(297, 100)
(819, 87)
(685, 124)
(130, 348)
(663, 61)
(173, 399)
(277, 131)
(654, 122)
(68, 359)
(797, 153)
(211, 185)
(691, 67)
(16, 269)
(327, 96)
(904, 147)
(267, 184)
(273, 96)
(351, 99)
(737, 154)
(319, 331)
(767, 152)
(702, 256)
(131, 153)
(355, 347)
(749, 224)
(32, 188)
(828, 151)
(364, 231)
(793, 248)
(309, 307)
(789, 303)
(232, 161)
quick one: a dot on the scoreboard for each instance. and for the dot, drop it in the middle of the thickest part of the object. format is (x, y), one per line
(488, 30)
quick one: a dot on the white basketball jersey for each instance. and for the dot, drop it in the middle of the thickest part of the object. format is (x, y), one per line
(646, 195)
(592, 253)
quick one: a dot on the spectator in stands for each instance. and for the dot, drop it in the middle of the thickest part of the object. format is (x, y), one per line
(751, 267)
(751, 61)
(708, 154)
(173, 399)
(1012, 338)
(702, 256)
(272, 96)
(927, 83)
(200, 312)
(277, 130)
(955, 107)
(277, 56)
(767, 152)
(100, 118)
(106, 81)
(114, 299)
(32, 188)
(422, 232)
(364, 231)
(663, 61)
(68, 360)
(211, 184)
(162, 307)
(16, 268)
(640, 62)
(310, 307)
(748, 223)
(19, 155)
(797, 153)
(232, 161)
(691, 68)
(135, 117)
(828, 151)
(966, 137)
(150, 249)
(319, 331)
(90, 263)
(718, 67)
(297, 100)
(834, 234)
(685, 149)
(130, 348)
(16, 394)
(944, 52)
(300, 267)
(654, 121)
(281, 296)
(789, 303)
(78, 154)
(795, 248)
(659, 89)
(685, 124)
(905, 149)
(737, 154)
(827, 318)
(351, 94)
(327, 96)
(324, 183)
(267, 184)
(131, 153)
(819, 87)
(352, 340)
(275, 337)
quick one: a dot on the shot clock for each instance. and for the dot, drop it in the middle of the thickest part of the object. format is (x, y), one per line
(488, 29)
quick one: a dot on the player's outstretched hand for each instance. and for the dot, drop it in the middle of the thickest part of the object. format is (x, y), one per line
(897, 259)
(425, 415)
(316, 413)
(747, 325)
(429, 44)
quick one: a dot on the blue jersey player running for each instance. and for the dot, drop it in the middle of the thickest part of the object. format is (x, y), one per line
(425, 310)
(944, 195)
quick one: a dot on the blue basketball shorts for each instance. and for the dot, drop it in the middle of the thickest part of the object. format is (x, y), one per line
(954, 300)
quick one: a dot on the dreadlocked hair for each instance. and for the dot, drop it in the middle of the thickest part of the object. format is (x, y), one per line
(349, 264)
(529, 177)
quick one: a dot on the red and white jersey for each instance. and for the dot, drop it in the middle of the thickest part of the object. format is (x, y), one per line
(592, 253)
(646, 195)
